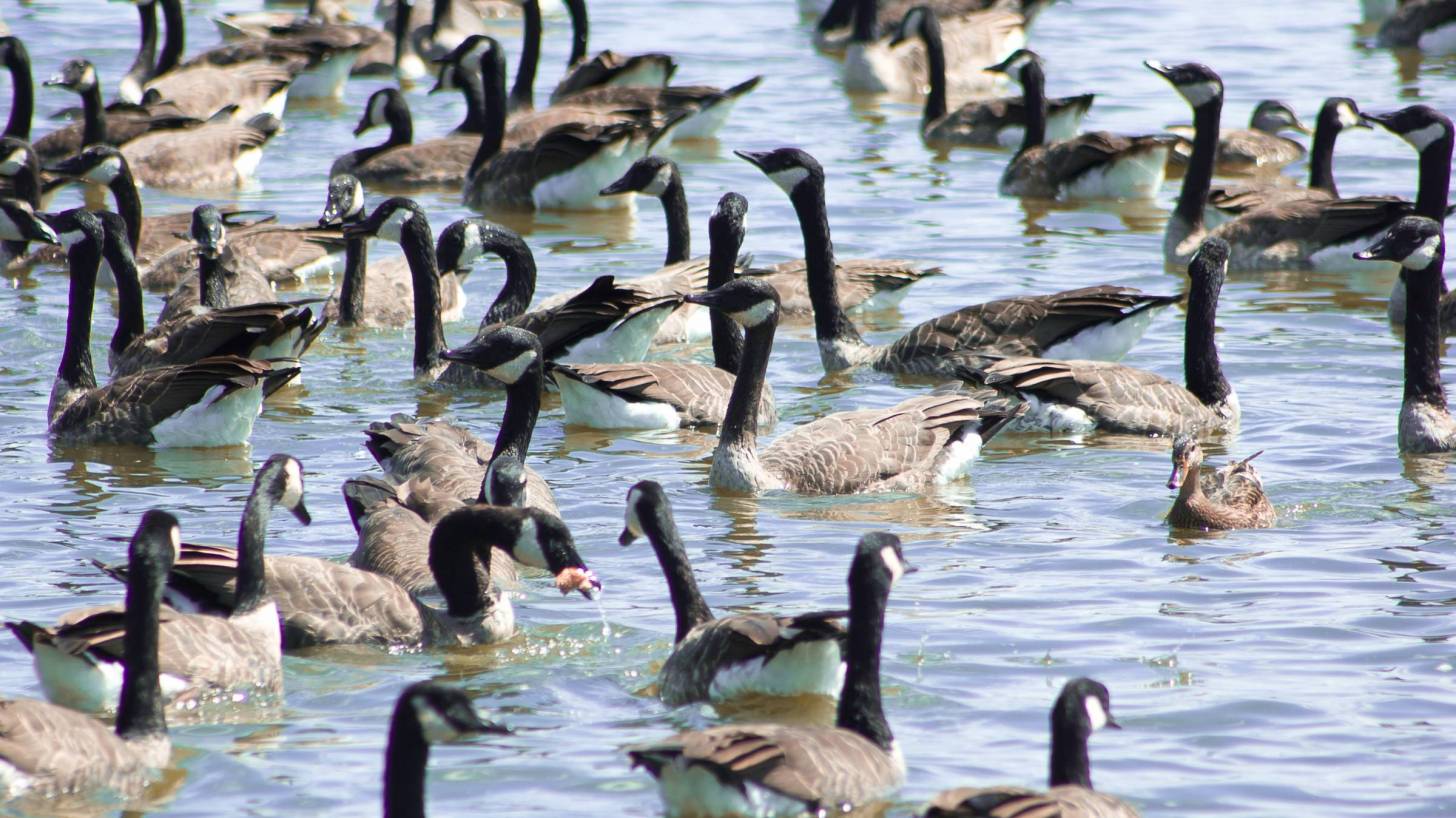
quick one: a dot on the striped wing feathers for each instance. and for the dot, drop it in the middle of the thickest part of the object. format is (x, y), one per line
(1015, 802)
(1121, 398)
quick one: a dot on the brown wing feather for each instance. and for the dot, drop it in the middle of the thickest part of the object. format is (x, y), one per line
(1120, 398)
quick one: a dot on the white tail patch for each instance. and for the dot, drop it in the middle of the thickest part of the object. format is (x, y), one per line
(626, 341)
(586, 405)
(578, 188)
(216, 420)
(1107, 341)
(811, 668)
(326, 80)
(1136, 176)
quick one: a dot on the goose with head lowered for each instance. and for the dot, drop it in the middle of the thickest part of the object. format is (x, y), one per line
(209, 402)
(981, 122)
(670, 394)
(49, 750)
(323, 602)
(917, 443)
(426, 713)
(207, 659)
(1091, 322)
(1092, 165)
(779, 770)
(715, 659)
(876, 62)
(1230, 497)
(1255, 149)
(1082, 708)
(1079, 396)
(400, 162)
(1418, 245)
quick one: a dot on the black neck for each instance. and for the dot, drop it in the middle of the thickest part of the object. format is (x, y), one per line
(141, 67)
(1201, 367)
(439, 12)
(94, 116)
(1322, 152)
(76, 369)
(468, 79)
(830, 321)
(140, 710)
(740, 419)
(129, 205)
(1423, 334)
(399, 26)
(252, 585)
(1199, 176)
(1069, 764)
(130, 321)
(22, 93)
(839, 14)
(1435, 183)
(866, 20)
(493, 95)
(518, 422)
(935, 101)
(523, 91)
(453, 556)
(214, 292)
(675, 210)
(1033, 90)
(580, 31)
(687, 600)
(176, 38)
(860, 709)
(520, 285)
(417, 243)
(405, 758)
(351, 293)
(26, 181)
(727, 335)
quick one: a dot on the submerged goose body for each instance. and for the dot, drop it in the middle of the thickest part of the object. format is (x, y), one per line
(50, 750)
(881, 65)
(1230, 497)
(1079, 396)
(780, 770)
(714, 659)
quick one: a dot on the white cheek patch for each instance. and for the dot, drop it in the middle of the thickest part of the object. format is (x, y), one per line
(434, 726)
(634, 523)
(71, 238)
(527, 549)
(1096, 714)
(292, 484)
(892, 562)
(512, 370)
(472, 244)
(660, 181)
(1420, 138)
(1197, 93)
(789, 178)
(1347, 116)
(1421, 257)
(393, 227)
(13, 163)
(105, 171)
(755, 315)
(376, 110)
(356, 199)
(88, 79)
(174, 534)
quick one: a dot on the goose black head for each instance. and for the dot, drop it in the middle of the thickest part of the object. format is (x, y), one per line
(154, 546)
(1017, 64)
(1195, 82)
(504, 353)
(543, 541)
(18, 222)
(505, 481)
(645, 502)
(466, 240)
(1210, 262)
(208, 230)
(385, 106)
(917, 21)
(729, 222)
(101, 164)
(1084, 706)
(879, 556)
(650, 175)
(789, 168)
(1273, 116)
(1414, 243)
(76, 75)
(1187, 454)
(748, 301)
(1340, 113)
(444, 713)
(1420, 125)
(490, 57)
(282, 478)
(13, 53)
(345, 202)
(388, 219)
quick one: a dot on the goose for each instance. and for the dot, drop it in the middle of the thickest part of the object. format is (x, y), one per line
(216, 284)
(49, 750)
(323, 602)
(20, 180)
(1418, 245)
(863, 284)
(875, 64)
(782, 770)
(22, 87)
(1254, 149)
(1093, 165)
(1083, 707)
(670, 394)
(917, 443)
(716, 659)
(1094, 322)
(330, 46)
(1078, 396)
(1429, 25)
(1231, 497)
(115, 125)
(232, 25)
(563, 170)
(426, 713)
(983, 122)
(205, 660)
(1299, 234)
(375, 294)
(607, 68)
(399, 162)
(209, 402)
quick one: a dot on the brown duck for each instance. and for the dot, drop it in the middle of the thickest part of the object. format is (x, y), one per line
(1231, 497)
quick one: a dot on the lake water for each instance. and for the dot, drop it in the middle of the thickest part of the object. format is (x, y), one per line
(1305, 669)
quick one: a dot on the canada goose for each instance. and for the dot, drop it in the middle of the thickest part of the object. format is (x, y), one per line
(323, 602)
(210, 402)
(1429, 25)
(669, 394)
(330, 46)
(1307, 233)
(215, 284)
(22, 87)
(50, 750)
(778, 770)
(1231, 497)
(1078, 396)
(917, 443)
(863, 283)
(607, 68)
(426, 713)
(1082, 708)
(979, 122)
(204, 659)
(399, 162)
(1092, 165)
(875, 64)
(20, 180)
(237, 25)
(714, 659)
(1418, 245)
(1092, 322)
(1256, 148)
(564, 169)
(378, 294)
(116, 125)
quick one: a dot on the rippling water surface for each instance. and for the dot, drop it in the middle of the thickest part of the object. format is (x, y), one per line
(1305, 669)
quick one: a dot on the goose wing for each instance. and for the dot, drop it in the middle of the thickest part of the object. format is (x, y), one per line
(736, 640)
(438, 162)
(698, 392)
(1065, 161)
(1314, 222)
(590, 312)
(1015, 802)
(204, 157)
(394, 540)
(1120, 398)
(528, 127)
(280, 251)
(203, 89)
(200, 334)
(606, 67)
(65, 751)
(858, 280)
